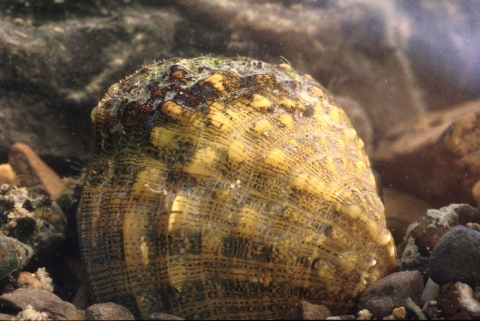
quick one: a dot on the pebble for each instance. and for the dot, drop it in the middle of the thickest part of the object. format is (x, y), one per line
(307, 311)
(456, 257)
(423, 235)
(108, 311)
(14, 255)
(466, 301)
(447, 299)
(28, 280)
(7, 174)
(33, 171)
(399, 313)
(39, 300)
(391, 292)
(467, 214)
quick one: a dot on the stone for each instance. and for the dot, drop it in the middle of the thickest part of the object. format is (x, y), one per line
(7, 174)
(39, 300)
(456, 257)
(447, 299)
(399, 313)
(108, 311)
(391, 292)
(467, 301)
(14, 255)
(435, 157)
(28, 280)
(422, 236)
(307, 311)
(467, 214)
(33, 171)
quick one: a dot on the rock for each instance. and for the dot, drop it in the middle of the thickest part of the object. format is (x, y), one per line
(14, 255)
(467, 214)
(391, 292)
(467, 301)
(423, 235)
(33, 171)
(447, 299)
(399, 313)
(39, 300)
(28, 280)
(6, 174)
(425, 157)
(307, 311)
(456, 257)
(108, 311)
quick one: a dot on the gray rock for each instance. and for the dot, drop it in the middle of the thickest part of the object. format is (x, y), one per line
(41, 301)
(457, 257)
(108, 311)
(391, 292)
(14, 255)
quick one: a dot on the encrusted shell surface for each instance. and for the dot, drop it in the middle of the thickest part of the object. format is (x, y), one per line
(228, 188)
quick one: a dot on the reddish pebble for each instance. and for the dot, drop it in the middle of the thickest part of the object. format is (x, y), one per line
(28, 280)
(33, 171)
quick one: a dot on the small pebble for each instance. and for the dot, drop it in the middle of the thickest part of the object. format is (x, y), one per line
(467, 214)
(399, 313)
(364, 315)
(7, 175)
(466, 300)
(28, 280)
(307, 311)
(456, 257)
(108, 311)
(447, 299)
(390, 292)
(431, 310)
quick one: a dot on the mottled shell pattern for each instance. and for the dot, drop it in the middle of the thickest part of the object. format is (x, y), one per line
(228, 188)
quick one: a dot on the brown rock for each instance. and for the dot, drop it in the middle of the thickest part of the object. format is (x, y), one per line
(39, 300)
(391, 292)
(435, 157)
(28, 280)
(108, 311)
(6, 174)
(447, 299)
(308, 311)
(33, 171)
